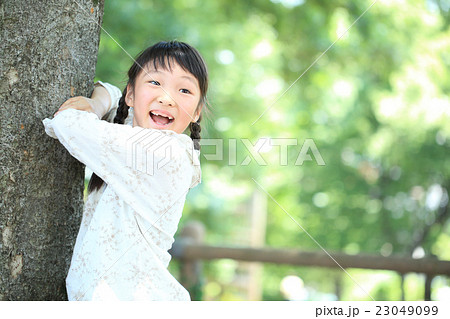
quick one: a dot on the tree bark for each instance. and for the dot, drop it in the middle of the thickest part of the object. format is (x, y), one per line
(48, 52)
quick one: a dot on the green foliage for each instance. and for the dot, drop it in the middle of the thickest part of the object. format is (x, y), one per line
(376, 105)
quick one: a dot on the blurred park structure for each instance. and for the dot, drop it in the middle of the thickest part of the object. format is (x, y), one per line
(376, 105)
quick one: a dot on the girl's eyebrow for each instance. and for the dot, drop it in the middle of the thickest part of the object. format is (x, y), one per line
(148, 72)
(187, 77)
(190, 78)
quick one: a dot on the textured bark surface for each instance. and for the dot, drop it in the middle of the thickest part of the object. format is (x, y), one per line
(48, 52)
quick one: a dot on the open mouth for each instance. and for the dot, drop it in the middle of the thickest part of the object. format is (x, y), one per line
(161, 119)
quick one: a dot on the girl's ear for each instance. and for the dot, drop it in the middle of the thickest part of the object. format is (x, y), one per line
(197, 113)
(129, 97)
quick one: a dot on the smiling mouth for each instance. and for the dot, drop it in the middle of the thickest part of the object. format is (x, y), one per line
(161, 119)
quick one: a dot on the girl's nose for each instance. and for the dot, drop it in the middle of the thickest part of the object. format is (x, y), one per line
(165, 99)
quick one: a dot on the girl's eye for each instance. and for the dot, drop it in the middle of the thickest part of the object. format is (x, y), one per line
(154, 82)
(185, 91)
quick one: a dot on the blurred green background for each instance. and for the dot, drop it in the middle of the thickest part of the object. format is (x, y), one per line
(376, 106)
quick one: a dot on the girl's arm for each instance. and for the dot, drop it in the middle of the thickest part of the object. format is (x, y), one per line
(112, 102)
(103, 101)
(142, 165)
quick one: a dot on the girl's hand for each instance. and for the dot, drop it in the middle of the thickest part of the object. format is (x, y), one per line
(83, 104)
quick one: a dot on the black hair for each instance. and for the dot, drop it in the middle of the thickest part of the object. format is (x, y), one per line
(162, 55)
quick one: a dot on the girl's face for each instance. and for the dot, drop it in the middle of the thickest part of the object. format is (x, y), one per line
(164, 99)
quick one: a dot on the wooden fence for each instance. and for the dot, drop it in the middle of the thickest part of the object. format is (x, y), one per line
(190, 250)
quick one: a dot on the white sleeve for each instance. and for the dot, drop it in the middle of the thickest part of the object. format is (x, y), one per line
(115, 94)
(141, 165)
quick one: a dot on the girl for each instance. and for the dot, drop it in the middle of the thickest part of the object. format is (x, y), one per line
(143, 171)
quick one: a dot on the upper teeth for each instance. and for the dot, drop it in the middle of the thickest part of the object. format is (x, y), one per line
(168, 116)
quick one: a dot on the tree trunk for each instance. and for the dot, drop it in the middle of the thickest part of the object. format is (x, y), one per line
(48, 52)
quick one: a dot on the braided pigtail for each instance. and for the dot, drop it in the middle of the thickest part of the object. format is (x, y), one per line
(122, 113)
(195, 129)
(122, 110)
